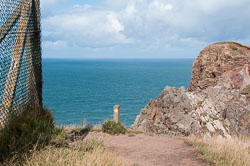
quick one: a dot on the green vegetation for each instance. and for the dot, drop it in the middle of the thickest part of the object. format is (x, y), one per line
(89, 152)
(135, 132)
(246, 90)
(233, 47)
(131, 134)
(199, 103)
(111, 127)
(235, 51)
(33, 139)
(32, 127)
(89, 145)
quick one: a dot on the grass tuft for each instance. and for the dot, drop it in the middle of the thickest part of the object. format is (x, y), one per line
(111, 127)
(131, 134)
(88, 145)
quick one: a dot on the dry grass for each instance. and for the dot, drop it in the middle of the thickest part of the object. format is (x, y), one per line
(96, 127)
(81, 153)
(61, 151)
(223, 152)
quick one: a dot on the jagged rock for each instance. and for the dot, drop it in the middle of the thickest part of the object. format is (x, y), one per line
(220, 107)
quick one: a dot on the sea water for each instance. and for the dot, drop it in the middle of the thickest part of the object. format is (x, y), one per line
(87, 89)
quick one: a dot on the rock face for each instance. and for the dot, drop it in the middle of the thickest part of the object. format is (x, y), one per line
(218, 59)
(215, 102)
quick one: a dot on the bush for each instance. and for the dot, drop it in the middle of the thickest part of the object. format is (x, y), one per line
(32, 128)
(112, 127)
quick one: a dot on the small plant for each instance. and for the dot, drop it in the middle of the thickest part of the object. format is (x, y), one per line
(199, 103)
(234, 48)
(113, 128)
(131, 135)
(136, 132)
(246, 90)
(33, 127)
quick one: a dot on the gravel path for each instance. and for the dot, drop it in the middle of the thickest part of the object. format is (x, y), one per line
(146, 150)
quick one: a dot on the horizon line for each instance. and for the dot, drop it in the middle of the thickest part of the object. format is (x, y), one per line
(117, 58)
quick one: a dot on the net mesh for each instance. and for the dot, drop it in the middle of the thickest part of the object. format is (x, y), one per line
(20, 57)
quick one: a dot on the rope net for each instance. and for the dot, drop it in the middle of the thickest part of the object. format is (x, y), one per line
(20, 57)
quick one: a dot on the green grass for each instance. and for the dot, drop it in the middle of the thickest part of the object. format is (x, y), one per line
(32, 127)
(111, 127)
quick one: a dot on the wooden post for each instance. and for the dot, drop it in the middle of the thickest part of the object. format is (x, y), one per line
(116, 117)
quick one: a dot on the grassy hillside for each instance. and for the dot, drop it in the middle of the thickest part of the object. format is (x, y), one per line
(33, 139)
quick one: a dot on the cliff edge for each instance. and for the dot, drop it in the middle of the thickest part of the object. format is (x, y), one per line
(216, 102)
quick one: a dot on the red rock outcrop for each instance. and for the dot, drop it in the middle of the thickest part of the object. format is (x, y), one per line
(224, 58)
(216, 102)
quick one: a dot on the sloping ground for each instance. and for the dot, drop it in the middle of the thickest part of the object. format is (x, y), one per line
(146, 150)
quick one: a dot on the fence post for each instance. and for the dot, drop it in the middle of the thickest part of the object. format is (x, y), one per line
(116, 117)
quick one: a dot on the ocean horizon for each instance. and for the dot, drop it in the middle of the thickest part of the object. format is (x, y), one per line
(79, 90)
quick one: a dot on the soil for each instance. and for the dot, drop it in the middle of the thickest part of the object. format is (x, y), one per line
(146, 150)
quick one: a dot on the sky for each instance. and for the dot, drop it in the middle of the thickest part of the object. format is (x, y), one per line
(140, 28)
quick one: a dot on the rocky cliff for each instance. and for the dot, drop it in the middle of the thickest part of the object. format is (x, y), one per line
(221, 59)
(216, 102)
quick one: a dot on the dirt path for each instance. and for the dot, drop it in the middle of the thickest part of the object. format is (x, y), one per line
(147, 150)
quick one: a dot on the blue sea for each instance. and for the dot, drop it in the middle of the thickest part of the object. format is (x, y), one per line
(87, 89)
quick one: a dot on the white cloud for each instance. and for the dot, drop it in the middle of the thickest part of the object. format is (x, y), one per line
(85, 27)
(160, 6)
(148, 23)
(115, 24)
(54, 44)
(211, 6)
(130, 9)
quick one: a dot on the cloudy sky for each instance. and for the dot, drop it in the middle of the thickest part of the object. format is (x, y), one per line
(140, 28)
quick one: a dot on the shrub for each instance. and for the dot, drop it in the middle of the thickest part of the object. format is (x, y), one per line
(112, 127)
(33, 127)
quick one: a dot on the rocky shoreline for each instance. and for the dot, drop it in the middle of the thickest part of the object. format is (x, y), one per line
(217, 101)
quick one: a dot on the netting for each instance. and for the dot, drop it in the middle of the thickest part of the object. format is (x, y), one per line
(20, 57)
